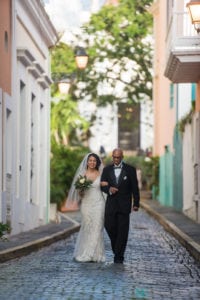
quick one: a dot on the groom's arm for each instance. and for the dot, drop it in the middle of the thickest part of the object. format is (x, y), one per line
(105, 186)
(104, 182)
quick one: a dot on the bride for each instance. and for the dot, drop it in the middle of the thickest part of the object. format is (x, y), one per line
(89, 245)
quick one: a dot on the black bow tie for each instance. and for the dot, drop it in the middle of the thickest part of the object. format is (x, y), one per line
(116, 167)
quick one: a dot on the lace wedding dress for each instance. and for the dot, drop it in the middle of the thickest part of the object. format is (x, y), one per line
(90, 243)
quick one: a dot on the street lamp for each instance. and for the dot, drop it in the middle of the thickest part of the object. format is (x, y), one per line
(81, 58)
(194, 11)
(64, 85)
(66, 81)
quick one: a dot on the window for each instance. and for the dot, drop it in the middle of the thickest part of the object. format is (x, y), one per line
(32, 157)
(6, 41)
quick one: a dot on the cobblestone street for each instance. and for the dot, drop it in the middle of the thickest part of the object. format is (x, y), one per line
(156, 267)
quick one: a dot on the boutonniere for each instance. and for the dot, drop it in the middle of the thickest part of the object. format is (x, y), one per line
(125, 177)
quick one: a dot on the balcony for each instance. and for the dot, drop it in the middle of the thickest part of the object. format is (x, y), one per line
(182, 50)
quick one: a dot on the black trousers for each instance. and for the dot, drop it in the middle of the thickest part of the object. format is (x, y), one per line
(117, 227)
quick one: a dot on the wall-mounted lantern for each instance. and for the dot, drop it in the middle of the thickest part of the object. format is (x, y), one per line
(194, 11)
(81, 58)
(65, 81)
(64, 85)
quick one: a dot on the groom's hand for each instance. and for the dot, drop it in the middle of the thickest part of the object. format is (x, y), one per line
(113, 190)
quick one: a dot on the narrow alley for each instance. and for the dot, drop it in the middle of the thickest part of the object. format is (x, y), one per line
(156, 267)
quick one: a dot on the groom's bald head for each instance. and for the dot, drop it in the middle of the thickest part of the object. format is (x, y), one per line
(117, 156)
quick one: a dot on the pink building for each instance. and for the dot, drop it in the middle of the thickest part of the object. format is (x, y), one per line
(5, 46)
(176, 90)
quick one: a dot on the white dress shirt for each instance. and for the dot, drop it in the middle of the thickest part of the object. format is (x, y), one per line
(117, 170)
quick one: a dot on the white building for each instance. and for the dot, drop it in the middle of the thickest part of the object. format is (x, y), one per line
(104, 131)
(26, 111)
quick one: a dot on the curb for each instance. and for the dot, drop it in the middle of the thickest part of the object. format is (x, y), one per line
(29, 247)
(183, 238)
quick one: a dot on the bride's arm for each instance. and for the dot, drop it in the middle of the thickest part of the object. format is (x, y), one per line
(104, 183)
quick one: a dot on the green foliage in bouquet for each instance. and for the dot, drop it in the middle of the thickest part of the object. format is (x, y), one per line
(83, 183)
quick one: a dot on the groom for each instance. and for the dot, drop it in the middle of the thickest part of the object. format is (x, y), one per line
(122, 186)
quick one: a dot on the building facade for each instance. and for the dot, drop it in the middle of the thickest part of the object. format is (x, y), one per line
(176, 106)
(25, 113)
(5, 85)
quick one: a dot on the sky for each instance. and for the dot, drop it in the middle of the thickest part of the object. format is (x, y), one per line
(68, 15)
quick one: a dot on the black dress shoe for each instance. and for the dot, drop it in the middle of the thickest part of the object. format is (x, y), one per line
(118, 261)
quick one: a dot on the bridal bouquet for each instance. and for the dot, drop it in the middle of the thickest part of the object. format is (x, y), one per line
(82, 184)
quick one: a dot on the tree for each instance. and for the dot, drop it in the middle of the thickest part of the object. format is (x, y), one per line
(62, 64)
(67, 126)
(120, 59)
(120, 53)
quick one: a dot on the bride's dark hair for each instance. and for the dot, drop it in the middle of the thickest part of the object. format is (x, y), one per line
(97, 159)
(73, 195)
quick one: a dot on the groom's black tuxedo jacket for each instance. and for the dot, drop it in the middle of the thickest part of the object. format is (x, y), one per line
(127, 189)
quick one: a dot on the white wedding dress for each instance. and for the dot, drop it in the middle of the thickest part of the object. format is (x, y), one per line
(90, 242)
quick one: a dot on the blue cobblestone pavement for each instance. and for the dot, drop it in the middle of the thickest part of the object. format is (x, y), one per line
(156, 267)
